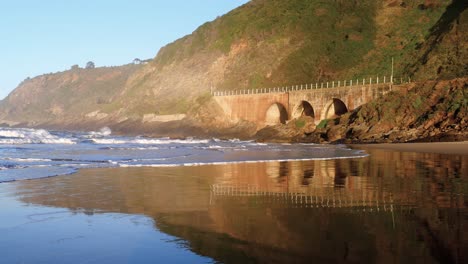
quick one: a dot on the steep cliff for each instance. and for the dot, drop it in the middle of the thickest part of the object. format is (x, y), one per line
(264, 43)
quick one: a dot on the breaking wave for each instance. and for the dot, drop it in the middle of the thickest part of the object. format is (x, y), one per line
(31, 136)
(147, 141)
(35, 153)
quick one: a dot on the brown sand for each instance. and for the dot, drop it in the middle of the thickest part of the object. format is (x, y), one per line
(458, 148)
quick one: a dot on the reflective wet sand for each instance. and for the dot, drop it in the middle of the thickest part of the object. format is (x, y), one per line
(392, 207)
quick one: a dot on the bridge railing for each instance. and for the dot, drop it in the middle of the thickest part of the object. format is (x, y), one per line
(315, 197)
(315, 86)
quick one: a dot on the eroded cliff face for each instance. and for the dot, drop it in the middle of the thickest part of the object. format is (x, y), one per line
(265, 43)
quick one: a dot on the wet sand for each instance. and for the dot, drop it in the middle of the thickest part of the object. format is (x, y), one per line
(330, 211)
(458, 148)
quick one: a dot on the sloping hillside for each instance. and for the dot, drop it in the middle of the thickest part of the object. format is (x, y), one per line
(62, 96)
(444, 53)
(265, 43)
(268, 43)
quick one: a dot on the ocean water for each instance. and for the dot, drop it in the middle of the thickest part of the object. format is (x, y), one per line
(36, 153)
(143, 200)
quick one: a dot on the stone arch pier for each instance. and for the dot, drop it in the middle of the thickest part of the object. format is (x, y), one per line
(274, 106)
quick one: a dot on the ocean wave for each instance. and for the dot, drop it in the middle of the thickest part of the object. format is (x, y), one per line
(99, 149)
(188, 164)
(103, 132)
(10, 166)
(147, 141)
(26, 159)
(19, 136)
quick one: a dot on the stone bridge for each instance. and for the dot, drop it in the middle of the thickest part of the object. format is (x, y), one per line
(269, 106)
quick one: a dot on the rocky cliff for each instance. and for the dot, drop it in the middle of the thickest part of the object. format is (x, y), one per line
(426, 111)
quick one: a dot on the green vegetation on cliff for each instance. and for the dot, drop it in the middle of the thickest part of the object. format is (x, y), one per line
(329, 39)
(270, 43)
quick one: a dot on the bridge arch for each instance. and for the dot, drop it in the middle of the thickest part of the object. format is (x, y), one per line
(303, 109)
(333, 109)
(276, 114)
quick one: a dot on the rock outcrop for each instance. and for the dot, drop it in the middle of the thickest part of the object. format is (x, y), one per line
(427, 111)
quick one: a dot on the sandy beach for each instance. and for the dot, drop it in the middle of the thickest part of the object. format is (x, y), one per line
(217, 213)
(458, 148)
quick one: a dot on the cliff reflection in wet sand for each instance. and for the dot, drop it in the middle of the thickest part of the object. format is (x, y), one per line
(390, 207)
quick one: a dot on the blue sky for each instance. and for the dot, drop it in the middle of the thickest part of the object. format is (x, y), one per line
(38, 37)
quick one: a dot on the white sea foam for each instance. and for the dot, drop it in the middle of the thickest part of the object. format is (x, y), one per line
(189, 164)
(135, 148)
(103, 132)
(147, 141)
(258, 144)
(30, 136)
(27, 159)
(109, 141)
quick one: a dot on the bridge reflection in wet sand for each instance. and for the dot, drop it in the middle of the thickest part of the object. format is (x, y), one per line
(355, 200)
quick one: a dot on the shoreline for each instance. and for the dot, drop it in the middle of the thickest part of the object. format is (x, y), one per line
(453, 148)
(446, 148)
